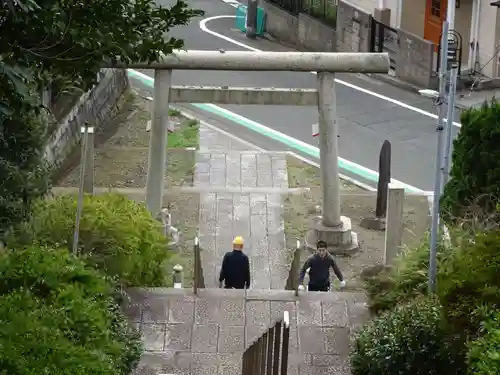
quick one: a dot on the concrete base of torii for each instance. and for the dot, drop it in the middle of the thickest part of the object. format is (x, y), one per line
(341, 240)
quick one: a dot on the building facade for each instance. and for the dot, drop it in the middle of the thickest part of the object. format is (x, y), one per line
(476, 21)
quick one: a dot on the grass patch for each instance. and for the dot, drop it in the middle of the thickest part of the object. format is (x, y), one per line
(186, 134)
(172, 112)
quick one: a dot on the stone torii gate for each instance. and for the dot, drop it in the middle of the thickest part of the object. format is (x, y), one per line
(331, 226)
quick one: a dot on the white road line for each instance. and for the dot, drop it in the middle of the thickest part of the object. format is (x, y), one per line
(233, 3)
(204, 28)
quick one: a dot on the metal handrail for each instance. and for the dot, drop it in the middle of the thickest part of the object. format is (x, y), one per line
(268, 355)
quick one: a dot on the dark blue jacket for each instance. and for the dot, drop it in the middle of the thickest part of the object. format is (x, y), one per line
(319, 273)
(235, 271)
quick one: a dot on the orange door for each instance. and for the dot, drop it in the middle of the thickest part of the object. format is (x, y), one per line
(435, 14)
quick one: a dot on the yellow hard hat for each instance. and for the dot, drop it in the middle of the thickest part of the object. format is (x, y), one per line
(238, 240)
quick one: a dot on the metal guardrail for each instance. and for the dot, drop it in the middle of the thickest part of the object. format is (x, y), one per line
(268, 355)
(198, 279)
(292, 282)
(291, 6)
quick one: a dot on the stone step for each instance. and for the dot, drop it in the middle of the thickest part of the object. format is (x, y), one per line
(207, 333)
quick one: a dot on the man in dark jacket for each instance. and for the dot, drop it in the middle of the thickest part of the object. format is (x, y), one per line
(235, 270)
(319, 270)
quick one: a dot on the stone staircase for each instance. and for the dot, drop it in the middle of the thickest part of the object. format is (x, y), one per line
(187, 334)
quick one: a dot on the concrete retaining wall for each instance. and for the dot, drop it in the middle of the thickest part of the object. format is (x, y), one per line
(303, 31)
(95, 107)
(314, 35)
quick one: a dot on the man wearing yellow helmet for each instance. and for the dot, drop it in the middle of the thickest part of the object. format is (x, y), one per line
(235, 270)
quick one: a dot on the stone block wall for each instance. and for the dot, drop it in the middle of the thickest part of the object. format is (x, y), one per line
(415, 60)
(95, 107)
(281, 24)
(314, 35)
(354, 28)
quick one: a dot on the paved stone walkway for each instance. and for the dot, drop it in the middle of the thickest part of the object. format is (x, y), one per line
(223, 162)
(207, 334)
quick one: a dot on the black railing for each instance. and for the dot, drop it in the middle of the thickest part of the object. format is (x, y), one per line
(291, 6)
(268, 355)
(198, 279)
(323, 10)
(454, 51)
(384, 39)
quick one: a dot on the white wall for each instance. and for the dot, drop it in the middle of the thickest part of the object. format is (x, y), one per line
(488, 38)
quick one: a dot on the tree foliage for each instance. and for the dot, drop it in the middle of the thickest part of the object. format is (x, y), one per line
(61, 43)
(475, 173)
(73, 38)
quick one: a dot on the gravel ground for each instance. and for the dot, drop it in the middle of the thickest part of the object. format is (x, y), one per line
(356, 204)
(121, 155)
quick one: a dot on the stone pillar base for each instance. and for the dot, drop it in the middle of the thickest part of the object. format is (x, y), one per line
(374, 223)
(341, 240)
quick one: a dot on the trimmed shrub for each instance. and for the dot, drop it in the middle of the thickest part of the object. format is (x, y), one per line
(405, 281)
(469, 280)
(475, 171)
(409, 339)
(117, 235)
(484, 353)
(58, 316)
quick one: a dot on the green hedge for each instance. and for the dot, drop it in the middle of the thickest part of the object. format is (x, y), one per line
(405, 281)
(117, 235)
(470, 280)
(409, 339)
(59, 317)
(475, 172)
(484, 353)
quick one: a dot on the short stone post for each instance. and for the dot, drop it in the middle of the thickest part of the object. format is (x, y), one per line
(395, 224)
(177, 276)
(384, 178)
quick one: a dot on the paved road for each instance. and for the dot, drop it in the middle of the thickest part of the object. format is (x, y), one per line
(365, 120)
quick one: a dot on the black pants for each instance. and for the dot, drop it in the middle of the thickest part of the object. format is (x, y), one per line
(324, 287)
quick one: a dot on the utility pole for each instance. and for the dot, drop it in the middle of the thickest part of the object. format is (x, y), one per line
(251, 20)
(449, 124)
(443, 67)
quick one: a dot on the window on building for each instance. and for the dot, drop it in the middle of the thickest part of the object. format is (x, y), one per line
(436, 8)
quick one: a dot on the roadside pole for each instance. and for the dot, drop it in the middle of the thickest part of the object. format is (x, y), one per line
(88, 184)
(443, 67)
(251, 19)
(449, 124)
(81, 189)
